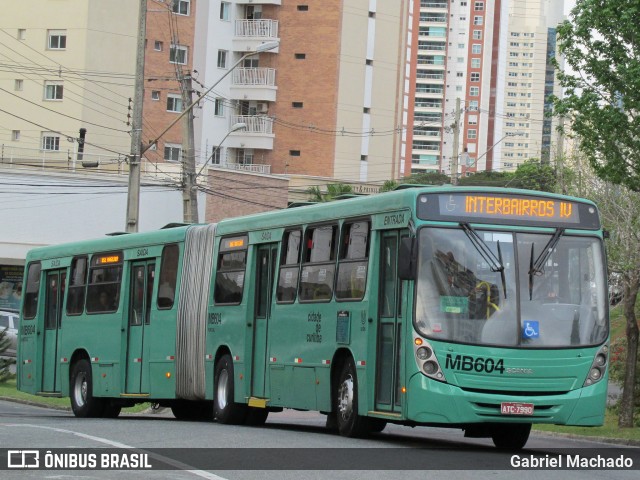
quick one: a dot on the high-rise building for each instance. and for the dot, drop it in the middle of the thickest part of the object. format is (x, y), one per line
(327, 101)
(495, 57)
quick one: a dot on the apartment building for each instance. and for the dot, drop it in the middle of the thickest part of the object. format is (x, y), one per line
(60, 74)
(495, 57)
(326, 101)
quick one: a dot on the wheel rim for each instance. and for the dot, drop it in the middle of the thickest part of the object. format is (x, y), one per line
(80, 389)
(345, 398)
(223, 382)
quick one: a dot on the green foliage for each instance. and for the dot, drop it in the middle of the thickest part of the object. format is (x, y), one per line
(333, 190)
(5, 362)
(535, 175)
(601, 40)
(487, 179)
(388, 186)
(427, 178)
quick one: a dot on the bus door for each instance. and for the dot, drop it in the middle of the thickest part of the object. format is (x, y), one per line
(140, 291)
(53, 311)
(265, 271)
(390, 317)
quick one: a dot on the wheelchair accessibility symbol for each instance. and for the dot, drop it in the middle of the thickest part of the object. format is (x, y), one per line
(531, 329)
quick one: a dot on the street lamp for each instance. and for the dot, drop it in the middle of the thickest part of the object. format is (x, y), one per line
(234, 128)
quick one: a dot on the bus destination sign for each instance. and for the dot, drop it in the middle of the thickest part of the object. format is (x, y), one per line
(507, 208)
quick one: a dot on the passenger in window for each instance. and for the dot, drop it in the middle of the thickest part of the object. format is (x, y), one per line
(105, 302)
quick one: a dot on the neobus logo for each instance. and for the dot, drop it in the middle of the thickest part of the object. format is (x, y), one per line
(466, 363)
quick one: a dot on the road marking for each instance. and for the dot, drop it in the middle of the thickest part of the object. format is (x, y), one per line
(113, 443)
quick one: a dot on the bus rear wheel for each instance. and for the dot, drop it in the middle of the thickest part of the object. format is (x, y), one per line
(225, 409)
(83, 403)
(511, 437)
(350, 423)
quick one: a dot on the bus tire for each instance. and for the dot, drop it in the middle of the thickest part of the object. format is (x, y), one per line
(511, 436)
(350, 423)
(376, 425)
(256, 417)
(83, 403)
(225, 409)
(111, 410)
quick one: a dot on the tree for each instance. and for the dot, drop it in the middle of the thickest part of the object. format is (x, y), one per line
(334, 190)
(601, 41)
(535, 175)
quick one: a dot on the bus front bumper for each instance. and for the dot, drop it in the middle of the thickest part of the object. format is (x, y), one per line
(432, 402)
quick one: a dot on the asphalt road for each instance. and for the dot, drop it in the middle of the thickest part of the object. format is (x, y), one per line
(297, 436)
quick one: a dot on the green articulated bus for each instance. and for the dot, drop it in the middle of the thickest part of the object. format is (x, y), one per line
(474, 308)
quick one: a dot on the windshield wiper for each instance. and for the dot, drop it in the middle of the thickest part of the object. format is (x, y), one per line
(495, 262)
(537, 267)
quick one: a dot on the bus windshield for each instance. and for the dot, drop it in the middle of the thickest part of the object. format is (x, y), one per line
(547, 290)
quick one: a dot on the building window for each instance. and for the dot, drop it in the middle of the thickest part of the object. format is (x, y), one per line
(475, 76)
(50, 142)
(460, 59)
(157, 45)
(300, 56)
(216, 155)
(15, 135)
(472, 134)
(473, 119)
(222, 59)
(459, 74)
(53, 91)
(18, 85)
(178, 54)
(57, 39)
(476, 48)
(218, 107)
(366, 110)
(155, 95)
(172, 152)
(294, 153)
(174, 103)
(477, 34)
(225, 8)
(303, 8)
(297, 104)
(22, 33)
(478, 6)
(474, 91)
(473, 105)
(478, 20)
(181, 7)
(475, 63)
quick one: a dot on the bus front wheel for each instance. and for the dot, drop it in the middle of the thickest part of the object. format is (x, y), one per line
(511, 436)
(225, 409)
(350, 424)
(83, 403)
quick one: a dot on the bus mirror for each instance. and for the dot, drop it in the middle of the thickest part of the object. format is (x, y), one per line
(407, 259)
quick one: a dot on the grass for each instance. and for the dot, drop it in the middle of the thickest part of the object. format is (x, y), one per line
(8, 391)
(608, 430)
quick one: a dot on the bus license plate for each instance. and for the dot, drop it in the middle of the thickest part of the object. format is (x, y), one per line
(515, 408)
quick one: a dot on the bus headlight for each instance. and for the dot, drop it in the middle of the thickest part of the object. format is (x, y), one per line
(423, 353)
(598, 367)
(427, 360)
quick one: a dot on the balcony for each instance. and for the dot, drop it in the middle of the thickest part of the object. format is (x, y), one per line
(251, 33)
(254, 84)
(246, 167)
(258, 134)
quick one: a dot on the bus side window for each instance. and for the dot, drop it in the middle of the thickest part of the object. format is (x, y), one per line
(77, 286)
(289, 267)
(105, 277)
(230, 276)
(31, 292)
(352, 265)
(168, 276)
(316, 279)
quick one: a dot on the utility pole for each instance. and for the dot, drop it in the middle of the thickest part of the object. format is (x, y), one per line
(456, 145)
(133, 196)
(189, 191)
